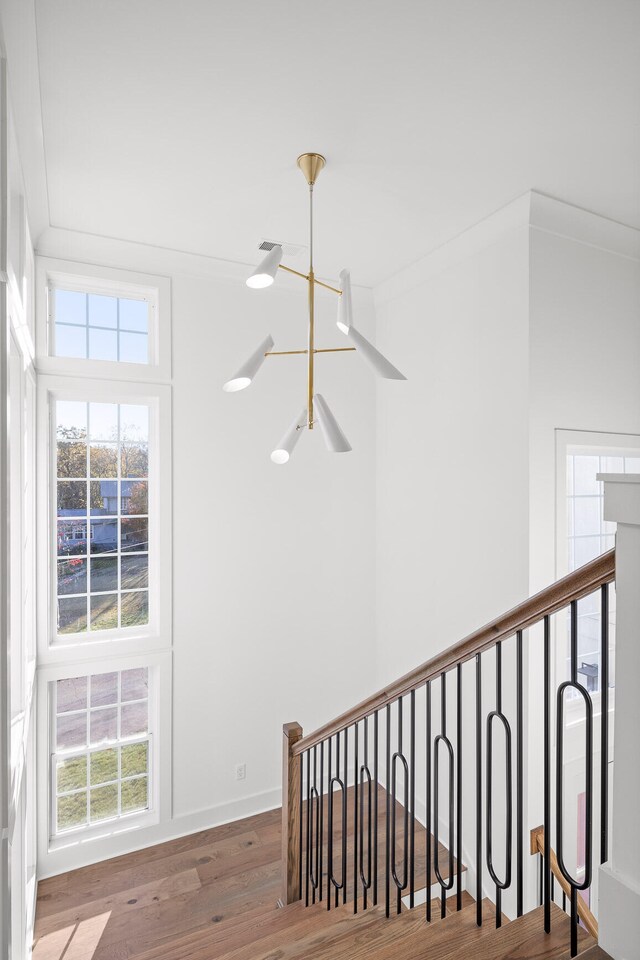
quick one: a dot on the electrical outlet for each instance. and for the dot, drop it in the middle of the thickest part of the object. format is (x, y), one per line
(241, 771)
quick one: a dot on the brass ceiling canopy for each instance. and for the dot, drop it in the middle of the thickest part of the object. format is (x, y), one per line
(311, 164)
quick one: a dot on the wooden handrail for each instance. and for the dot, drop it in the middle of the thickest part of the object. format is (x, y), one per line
(575, 585)
(537, 846)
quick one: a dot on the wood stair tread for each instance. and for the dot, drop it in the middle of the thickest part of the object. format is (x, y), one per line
(323, 931)
(227, 933)
(595, 953)
(441, 938)
(407, 915)
(525, 939)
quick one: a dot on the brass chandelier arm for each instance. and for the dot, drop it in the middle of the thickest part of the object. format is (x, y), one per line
(283, 353)
(327, 286)
(306, 277)
(335, 350)
(289, 353)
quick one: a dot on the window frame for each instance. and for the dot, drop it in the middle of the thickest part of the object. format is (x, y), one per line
(54, 849)
(119, 641)
(57, 754)
(591, 443)
(88, 278)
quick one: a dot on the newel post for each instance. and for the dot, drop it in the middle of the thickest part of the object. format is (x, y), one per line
(291, 787)
(619, 887)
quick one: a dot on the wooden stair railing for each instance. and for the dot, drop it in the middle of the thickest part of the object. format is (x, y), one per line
(318, 797)
(537, 847)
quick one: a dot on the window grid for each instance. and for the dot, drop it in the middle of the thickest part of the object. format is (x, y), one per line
(585, 513)
(88, 326)
(61, 755)
(86, 524)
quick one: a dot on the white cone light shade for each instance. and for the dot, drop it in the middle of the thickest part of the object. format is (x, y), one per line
(374, 358)
(243, 377)
(265, 273)
(333, 436)
(345, 309)
(283, 451)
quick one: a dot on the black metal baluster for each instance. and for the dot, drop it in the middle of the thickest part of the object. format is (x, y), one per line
(344, 819)
(497, 714)
(331, 880)
(428, 799)
(388, 816)
(375, 808)
(329, 823)
(442, 738)
(604, 723)
(436, 820)
(519, 774)
(301, 831)
(365, 773)
(355, 817)
(459, 787)
(398, 755)
(478, 790)
(574, 641)
(412, 812)
(321, 815)
(405, 798)
(337, 889)
(308, 864)
(315, 822)
(574, 685)
(586, 881)
(546, 863)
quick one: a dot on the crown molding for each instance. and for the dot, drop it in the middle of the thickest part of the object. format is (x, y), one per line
(534, 211)
(573, 223)
(512, 217)
(63, 244)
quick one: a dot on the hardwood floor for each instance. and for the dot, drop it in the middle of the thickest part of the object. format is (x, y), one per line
(213, 895)
(120, 908)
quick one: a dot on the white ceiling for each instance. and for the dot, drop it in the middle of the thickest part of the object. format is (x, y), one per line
(177, 122)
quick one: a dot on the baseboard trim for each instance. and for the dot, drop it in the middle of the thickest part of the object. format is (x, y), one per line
(81, 854)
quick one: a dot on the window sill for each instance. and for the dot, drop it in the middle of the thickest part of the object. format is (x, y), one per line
(103, 831)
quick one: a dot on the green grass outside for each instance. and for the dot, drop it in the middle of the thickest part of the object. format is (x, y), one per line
(103, 797)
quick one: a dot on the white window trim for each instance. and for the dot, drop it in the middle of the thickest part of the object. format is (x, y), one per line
(105, 280)
(158, 633)
(589, 442)
(160, 758)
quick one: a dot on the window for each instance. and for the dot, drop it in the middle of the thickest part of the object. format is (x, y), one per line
(95, 326)
(101, 322)
(101, 748)
(588, 535)
(102, 516)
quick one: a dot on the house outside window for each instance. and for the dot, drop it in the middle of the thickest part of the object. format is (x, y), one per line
(102, 516)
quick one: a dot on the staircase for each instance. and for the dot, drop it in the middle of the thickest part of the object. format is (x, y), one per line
(299, 933)
(361, 875)
(350, 831)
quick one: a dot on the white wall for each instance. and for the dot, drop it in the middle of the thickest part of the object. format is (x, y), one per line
(452, 446)
(525, 324)
(452, 457)
(584, 374)
(273, 567)
(584, 363)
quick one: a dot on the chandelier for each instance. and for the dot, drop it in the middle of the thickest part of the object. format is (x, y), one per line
(316, 409)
